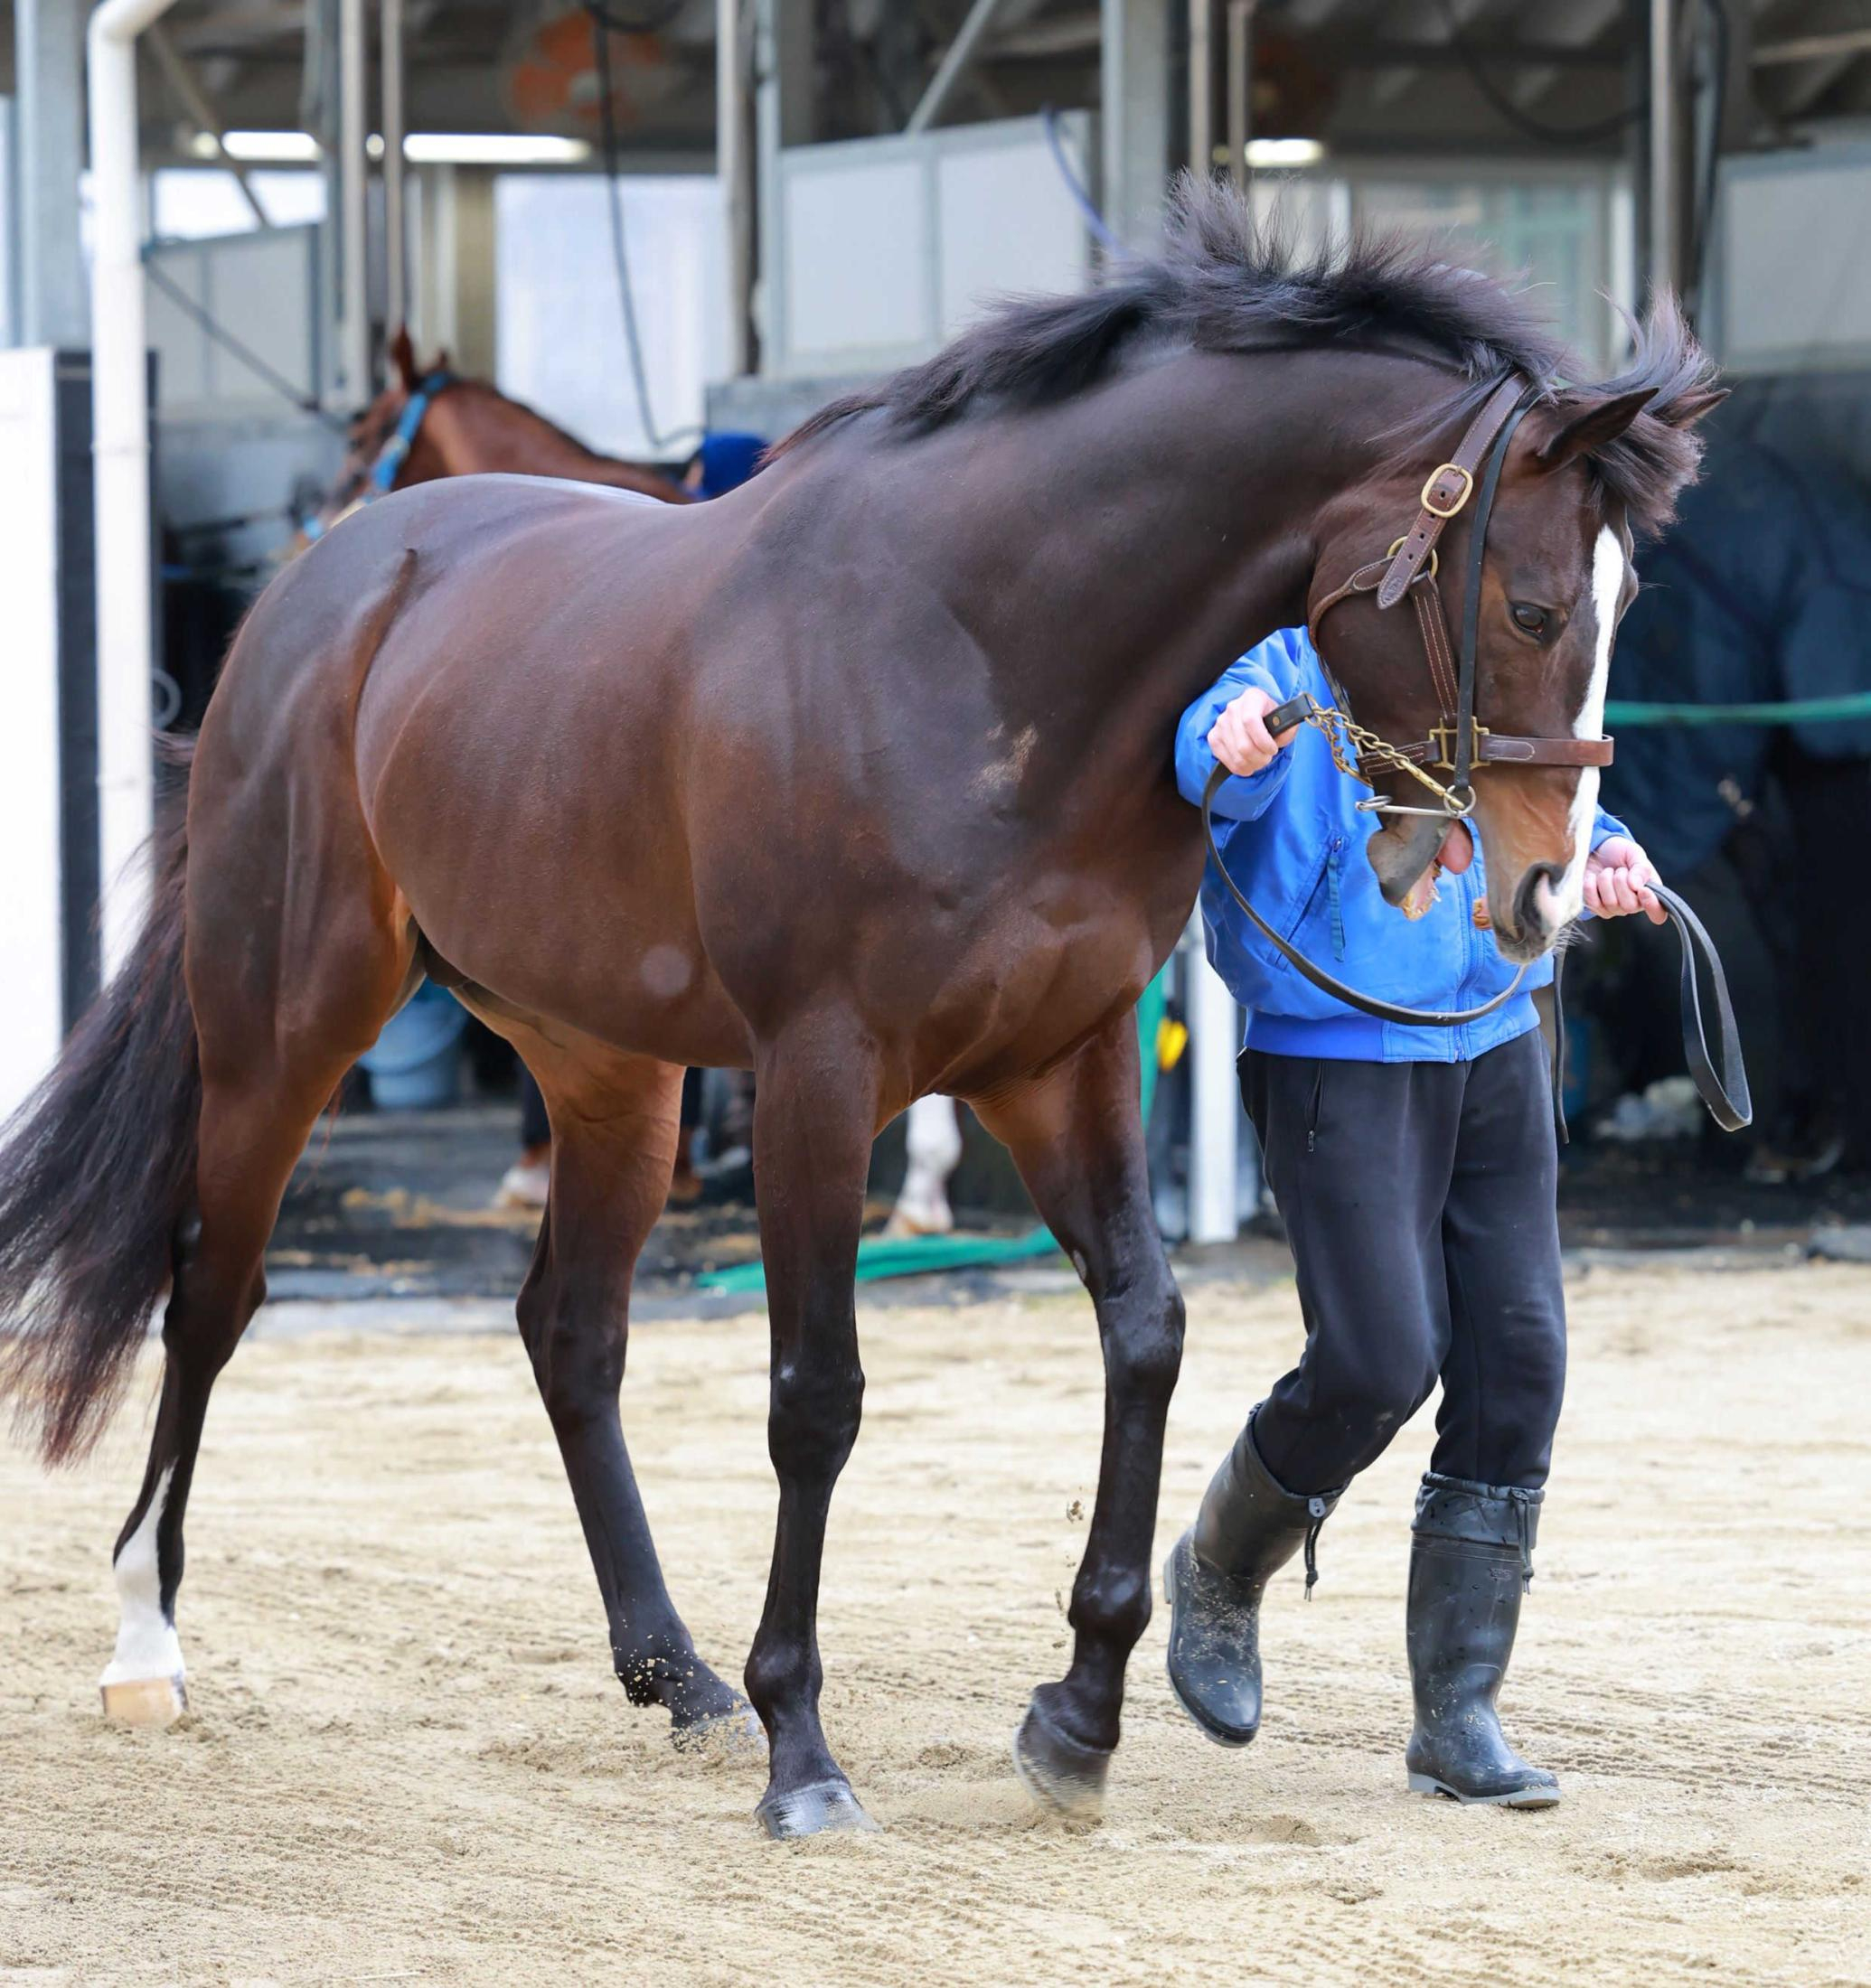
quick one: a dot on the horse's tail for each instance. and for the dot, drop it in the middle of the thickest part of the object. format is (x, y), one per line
(97, 1177)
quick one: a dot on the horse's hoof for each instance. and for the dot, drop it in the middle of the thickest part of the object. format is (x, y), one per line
(1064, 1777)
(736, 1733)
(144, 1700)
(787, 1812)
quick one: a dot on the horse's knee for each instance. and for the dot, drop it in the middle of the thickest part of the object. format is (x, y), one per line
(1143, 1342)
(814, 1410)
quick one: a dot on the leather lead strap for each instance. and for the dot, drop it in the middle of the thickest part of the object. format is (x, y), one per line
(1366, 1004)
(1721, 1075)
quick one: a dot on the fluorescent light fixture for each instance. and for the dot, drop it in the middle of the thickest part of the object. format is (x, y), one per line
(1287, 152)
(259, 147)
(492, 148)
(421, 149)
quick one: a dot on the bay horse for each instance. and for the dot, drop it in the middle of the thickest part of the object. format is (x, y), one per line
(430, 422)
(859, 776)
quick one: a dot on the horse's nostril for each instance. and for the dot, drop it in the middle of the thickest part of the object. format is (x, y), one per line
(1534, 897)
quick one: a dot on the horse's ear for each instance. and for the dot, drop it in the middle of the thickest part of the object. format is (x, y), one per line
(1582, 429)
(402, 356)
(1688, 408)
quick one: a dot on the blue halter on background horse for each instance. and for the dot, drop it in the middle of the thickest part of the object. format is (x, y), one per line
(394, 452)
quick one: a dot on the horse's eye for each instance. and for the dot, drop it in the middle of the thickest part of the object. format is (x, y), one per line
(1532, 620)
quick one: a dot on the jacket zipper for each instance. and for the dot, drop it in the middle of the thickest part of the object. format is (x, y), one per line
(1334, 872)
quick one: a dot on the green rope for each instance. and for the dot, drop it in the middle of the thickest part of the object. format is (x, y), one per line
(1809, 711)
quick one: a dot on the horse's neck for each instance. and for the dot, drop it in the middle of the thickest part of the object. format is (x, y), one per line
(500, 435)
(1177, 519)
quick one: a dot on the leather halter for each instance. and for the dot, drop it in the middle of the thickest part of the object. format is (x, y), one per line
(1458, 743)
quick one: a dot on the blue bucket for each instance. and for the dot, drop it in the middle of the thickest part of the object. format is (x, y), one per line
(416, 1062)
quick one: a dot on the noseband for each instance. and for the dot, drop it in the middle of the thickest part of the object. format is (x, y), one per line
(1457, 745)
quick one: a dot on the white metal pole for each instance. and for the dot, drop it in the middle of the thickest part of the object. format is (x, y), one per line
(353, 194)
(120, 445)
(731, 171)
(1663, 146)
(1240, 88)
(1213, 1031)
(396, 249)
(47, 164)
(1201, 88)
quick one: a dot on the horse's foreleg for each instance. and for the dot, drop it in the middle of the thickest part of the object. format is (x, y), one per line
(815, 1117)
(613, 1137)
(1077, 1138)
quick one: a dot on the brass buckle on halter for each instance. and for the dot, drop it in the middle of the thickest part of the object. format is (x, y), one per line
(1422, 573)
(1441, 738)
(1427, 498)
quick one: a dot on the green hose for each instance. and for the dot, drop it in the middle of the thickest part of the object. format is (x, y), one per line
(881, 1256)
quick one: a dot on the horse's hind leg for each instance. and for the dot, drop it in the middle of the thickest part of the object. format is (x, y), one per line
(251, 1134)
(615, 1127)
(278, 1025)
(1078, 1142)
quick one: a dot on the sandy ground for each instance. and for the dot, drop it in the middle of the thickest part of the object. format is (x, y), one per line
(407, 1760)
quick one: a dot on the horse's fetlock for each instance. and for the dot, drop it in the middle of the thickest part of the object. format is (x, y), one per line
(777, 1668)
(1113, 1606)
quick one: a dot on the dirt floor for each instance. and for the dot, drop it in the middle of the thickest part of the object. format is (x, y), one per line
(407, 1760)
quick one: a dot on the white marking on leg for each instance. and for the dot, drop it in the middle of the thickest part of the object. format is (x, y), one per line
(1561, 905)
(146, 1643)
(934, 1144)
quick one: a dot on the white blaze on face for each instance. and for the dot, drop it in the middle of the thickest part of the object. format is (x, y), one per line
(1560, 904)
(146, 1643)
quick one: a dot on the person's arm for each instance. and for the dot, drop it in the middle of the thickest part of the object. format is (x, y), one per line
(1227, 717)
(1618, 874)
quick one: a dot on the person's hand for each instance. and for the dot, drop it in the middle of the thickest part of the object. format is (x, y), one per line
(1240, 741)
(1618, 879)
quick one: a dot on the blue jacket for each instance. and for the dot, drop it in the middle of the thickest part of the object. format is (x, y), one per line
(1293, 841)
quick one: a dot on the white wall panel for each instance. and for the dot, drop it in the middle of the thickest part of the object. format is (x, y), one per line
(560, 325)
(31, 983)
(859, 238)
(1005, 222)
(887, 246)
(1795, 288)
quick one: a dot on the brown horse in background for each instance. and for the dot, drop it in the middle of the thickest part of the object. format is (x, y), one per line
(860, 776)
(469, 428)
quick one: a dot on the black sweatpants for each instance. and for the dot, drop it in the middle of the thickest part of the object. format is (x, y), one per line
(1418, 1198)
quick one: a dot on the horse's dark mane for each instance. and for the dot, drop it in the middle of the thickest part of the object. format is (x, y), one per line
(1227, 282)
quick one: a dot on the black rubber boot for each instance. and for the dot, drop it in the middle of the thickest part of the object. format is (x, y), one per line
(1471, 1561)
(1249, 1526)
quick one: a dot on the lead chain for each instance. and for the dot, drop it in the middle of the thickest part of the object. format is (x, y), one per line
(1351, 745)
